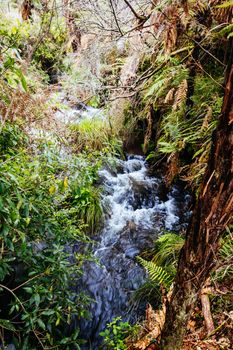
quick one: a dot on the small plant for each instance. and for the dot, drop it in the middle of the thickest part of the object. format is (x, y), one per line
(96, 135)
(162, 266)
(116, 333)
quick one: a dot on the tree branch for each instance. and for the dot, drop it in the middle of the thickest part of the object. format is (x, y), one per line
(141, 18)
(116, 20)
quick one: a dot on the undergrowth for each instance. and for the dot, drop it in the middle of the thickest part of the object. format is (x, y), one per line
(47, 202)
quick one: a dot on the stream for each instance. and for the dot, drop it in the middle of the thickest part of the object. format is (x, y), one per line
(136, 211)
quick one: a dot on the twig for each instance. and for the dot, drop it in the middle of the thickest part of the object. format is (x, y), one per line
(123, 96)
(210, 76)
(141, 18)
(15, 296)
(29, 280)
(115, 16)
(216, 329)
(195, 41)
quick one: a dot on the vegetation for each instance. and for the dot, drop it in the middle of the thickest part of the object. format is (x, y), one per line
(116, 333)
(162, 267)
(40, 219)
(161, 72)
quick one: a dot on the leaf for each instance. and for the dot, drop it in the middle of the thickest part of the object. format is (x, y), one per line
(151, 155)
(58, 321)
(22, 79)
(9, 63)
(65, 183)
(226, 4)
(24, 83)
(37, 299)
(226, 30)
(41, 323)
(198, 152)
(48, 312)
(28, 289)
(7, 325)
(52, 189)
(156, 273)
(27, 220)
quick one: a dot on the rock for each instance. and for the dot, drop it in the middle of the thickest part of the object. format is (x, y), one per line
(11, 347)
(131, 252)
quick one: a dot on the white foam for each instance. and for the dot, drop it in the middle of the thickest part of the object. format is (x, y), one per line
(120, 192)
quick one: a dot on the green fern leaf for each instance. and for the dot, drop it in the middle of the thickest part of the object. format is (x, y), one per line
(226, 4)
(156, 273)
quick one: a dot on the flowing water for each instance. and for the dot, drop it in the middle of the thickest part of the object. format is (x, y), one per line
(136, 212)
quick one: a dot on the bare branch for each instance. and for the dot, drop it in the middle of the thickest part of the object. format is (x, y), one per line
(141, 18)
(115, 16)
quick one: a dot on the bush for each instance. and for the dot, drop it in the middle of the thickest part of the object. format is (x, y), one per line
(40, 225)
(116, 333)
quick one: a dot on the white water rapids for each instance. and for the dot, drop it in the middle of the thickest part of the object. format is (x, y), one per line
(131, 200)
(137, 209)
(135, 215)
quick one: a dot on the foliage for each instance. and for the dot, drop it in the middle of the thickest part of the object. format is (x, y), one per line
(96, 134)
(224, 268)
(49, 51)
(12, 33)
(167, 248)
(157, 273)
(11, 140)
(86, 197)
(150, 292)
(163, 264)
(40, 220)
(116, 333)
(17, 80)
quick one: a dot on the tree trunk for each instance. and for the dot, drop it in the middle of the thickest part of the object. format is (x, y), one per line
(212, 213)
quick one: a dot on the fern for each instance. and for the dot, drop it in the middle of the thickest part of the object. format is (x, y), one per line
(156, 273)
(228, 30)
(158, 87)
(225, 269)
(167, 249)
(226, 4)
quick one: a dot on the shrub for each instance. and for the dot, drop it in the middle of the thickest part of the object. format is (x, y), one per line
(116, 333)
(40, 224)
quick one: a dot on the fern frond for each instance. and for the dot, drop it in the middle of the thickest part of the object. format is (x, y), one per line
(180, 95)
(167, 249)
(226, 251)
(223, 12)
(170, 96)
(171, 36)
(158, 85)
(156, 273)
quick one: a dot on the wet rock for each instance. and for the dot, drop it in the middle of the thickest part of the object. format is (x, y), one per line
(131, 252)
(136, 276)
